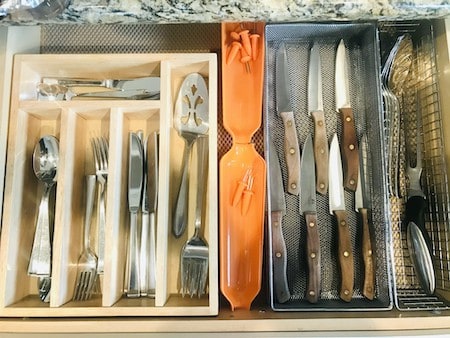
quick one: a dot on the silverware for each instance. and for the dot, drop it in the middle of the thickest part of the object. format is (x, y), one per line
(343, 105)
(315, 107)
(277, 211)
(191, 122)
(87, 262)
(337, 207)
(309, 209)
(101, 150)
(135, 176)
(145, 233)
(45, 165)
(417, 238)
(363, 206)
(195, 252)
(44, 286)
(284, 109)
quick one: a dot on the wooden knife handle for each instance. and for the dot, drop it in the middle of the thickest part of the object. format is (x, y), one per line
(350, 149)
(367, 253)
(320, 151)
(313, 257)
(345, 256)
(292, 153)
(279, 257)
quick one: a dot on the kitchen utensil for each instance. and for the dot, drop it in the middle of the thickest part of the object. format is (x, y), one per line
(284, 109)
(136, 94)
(277, 211)
(44, 286)
(363, 205)
(195, 252)
(135, 176)
(101, 151)
(417, 238)
(145, 223)
(241, 235)
(191, 121)
(309, 209)
(45, 166)
(337, 207)
(343, 105)
(87, 262)
(315, 106)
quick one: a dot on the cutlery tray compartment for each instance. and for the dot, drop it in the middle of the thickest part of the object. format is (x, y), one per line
(421, 100)
(74, 123)
(362, 48)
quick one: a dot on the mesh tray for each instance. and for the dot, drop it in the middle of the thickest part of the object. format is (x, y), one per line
(421, 91)
(361, 42)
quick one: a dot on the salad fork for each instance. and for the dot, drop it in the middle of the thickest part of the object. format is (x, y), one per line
(101, 149)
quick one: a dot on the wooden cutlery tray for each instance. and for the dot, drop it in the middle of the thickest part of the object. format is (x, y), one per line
(74, 123)
(362, 49)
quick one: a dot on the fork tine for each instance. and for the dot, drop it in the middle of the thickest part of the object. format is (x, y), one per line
(105, 151)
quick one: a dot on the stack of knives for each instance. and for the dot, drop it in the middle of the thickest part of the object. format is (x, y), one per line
(319, 169)
(142, 196)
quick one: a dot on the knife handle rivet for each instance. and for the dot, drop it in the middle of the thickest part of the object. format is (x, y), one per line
(276, 223)
(348, 119)
(289, 123)
(312, 293)
(351, 147)
(369, 253)
(278, 254)
(321, 185)
(346, 292)
(322, 151)
(311, 224)
(346, 254)
(293, 186)
(343, 223)
(313, 255)
(352, 181)
(291, 151)
(320, 123)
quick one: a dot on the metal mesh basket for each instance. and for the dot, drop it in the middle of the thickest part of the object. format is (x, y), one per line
(362, 46)
(421, 93)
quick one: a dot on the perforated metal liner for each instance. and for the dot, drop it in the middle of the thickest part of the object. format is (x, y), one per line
(361, 42)
(421, 92)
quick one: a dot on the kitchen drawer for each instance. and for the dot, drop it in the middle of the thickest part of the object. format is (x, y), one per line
(74, 123)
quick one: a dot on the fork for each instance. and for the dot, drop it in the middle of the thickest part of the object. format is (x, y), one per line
(195, 252)
(100, 148)
(87, 262)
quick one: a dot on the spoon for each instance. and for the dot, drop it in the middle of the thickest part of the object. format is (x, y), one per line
(45, 163)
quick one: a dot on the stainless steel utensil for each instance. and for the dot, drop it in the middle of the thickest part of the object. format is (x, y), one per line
(45, 165)
(337, 207)
(195, 252)
(135, 175)
(87, 262)
(44, 286)
(309, 209)
(284, 109)
(101, 149)
(315, 107)
(191, 121)
(363, 206)
(343, 105)
(277, 211)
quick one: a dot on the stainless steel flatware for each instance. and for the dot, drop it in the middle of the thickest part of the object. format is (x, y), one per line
(277, 211)
(315, 106)
(100, 149)
(417, 238)
(337, 208)
(191, 121)
(363, 205)
(135, 178)
(195, 252)
(45, 166)
(343, 105)
(309, 209)
(44, 287)
(284, 109)
(87, 262)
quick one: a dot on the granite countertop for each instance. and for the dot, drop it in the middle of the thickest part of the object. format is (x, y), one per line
(167, 11)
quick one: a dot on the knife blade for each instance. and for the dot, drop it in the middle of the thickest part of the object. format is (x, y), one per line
(337, 207)
(343, 105)
(135, 176)
(315, 105)
(284, 109)
(278, 210)
(308, 207)
(363, 207)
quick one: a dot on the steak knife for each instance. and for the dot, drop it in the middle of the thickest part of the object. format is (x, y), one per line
(343, 105)
(337, 207)
(277, 211)
(284, 109)
(315, 105)
(308, 207)
(363, 207)
(135, 178)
